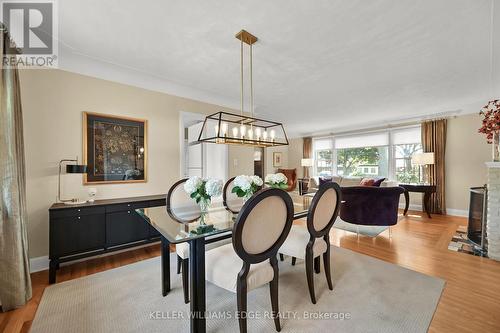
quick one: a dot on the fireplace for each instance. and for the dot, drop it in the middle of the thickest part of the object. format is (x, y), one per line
(476, 230)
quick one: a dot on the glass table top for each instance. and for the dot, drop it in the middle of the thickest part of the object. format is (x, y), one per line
(218, 220)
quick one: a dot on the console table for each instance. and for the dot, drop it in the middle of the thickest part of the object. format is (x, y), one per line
(80, 231)
(427, 190)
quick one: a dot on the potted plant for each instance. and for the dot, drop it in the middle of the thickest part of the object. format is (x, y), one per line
(202, 191)
(246, 186)
(491, 126)
(277, 180)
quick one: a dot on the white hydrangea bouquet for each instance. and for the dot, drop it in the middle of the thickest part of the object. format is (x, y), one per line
(277, 180)
(246, 186)
(203, 190)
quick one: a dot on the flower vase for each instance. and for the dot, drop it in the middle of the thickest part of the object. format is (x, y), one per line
(495, 141)
(204, 205)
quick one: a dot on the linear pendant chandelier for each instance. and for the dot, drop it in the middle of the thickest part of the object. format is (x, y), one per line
(240, 129)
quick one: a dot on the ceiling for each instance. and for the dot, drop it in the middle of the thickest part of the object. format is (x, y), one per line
(319, 66)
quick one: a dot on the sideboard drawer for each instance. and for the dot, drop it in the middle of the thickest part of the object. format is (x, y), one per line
(126, 207)
(75, 234)
(77, 211)
(157, 203)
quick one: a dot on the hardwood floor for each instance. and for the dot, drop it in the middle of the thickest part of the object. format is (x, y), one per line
(470, 301)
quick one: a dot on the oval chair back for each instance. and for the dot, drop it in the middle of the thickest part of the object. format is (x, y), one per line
(324, 209)
(231, 201)
(180, 206)
(263, 225)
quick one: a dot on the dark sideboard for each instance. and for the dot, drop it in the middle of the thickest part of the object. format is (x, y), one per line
(81, 231)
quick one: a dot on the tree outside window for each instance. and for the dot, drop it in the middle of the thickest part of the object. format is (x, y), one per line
(405, 172)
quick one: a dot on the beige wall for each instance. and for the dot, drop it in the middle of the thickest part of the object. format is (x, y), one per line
(240, 160)
(268, 159)
(53, 102)
(295, 153)
(466, 153)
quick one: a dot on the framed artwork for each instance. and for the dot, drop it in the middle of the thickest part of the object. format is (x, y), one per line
(114, 149)
(277, 159)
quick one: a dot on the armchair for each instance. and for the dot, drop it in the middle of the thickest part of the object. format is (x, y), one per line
(367, 205)
(291, 175)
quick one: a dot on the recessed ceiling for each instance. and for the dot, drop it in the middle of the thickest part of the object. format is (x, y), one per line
(318, 65)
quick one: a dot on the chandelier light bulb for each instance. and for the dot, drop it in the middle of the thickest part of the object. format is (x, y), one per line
(257, 133)
(250, 133)
(243, 130)
(224, 129)
(264, 135)
(235, 132)
(273, 134)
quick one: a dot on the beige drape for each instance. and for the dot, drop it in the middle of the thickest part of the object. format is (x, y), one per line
(307, 153)
(434, 140)
(15, 283)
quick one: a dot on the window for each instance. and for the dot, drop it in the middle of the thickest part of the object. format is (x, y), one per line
(375, 154)
(406, 142)
(364, 155)
(323, 157)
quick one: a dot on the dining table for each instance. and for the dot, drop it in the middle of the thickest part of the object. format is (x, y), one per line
(213, 226)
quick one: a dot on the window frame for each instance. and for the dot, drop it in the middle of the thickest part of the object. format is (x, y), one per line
(390, 132)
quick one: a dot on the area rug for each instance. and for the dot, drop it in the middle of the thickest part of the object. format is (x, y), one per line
(365, 230)
(369, 295)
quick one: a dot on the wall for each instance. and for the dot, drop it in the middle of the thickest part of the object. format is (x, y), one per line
(268, 159)
(466, 154)
(240, 160)
(295, 153)
(53, 102)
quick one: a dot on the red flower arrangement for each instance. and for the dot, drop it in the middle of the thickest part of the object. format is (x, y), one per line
(491, 120)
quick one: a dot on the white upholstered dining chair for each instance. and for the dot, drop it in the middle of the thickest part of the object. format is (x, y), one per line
(182, 208)
(231, 201)
(250, 261)
(311, 241)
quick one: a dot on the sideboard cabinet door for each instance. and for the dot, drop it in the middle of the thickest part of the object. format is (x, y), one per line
(125, 227)
(79, 233)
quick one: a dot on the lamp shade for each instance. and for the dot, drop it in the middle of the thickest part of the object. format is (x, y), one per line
(76, 168)
(422, 159)
(306, 162)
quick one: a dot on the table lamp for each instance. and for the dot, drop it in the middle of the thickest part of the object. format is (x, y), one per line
(423, 159)
(306, 163)
(70, 168)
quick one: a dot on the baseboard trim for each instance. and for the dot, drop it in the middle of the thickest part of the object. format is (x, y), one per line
(39, 264)
(457, 212)
(42, 263)
(449, 211)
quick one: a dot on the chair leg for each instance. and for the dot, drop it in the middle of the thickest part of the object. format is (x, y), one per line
(317, 264)
(241, 299)
(282, 258)
(179, 264)
(273, 288)
(293, 261)
(326, 264)
(310, 274)
(185, 279)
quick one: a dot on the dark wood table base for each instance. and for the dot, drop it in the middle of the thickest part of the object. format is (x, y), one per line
(427, 190)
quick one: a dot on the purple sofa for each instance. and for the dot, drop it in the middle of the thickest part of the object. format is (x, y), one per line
(368, 205)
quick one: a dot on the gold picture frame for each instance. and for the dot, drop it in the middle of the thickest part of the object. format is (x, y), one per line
(277, 159)
(113, 161)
